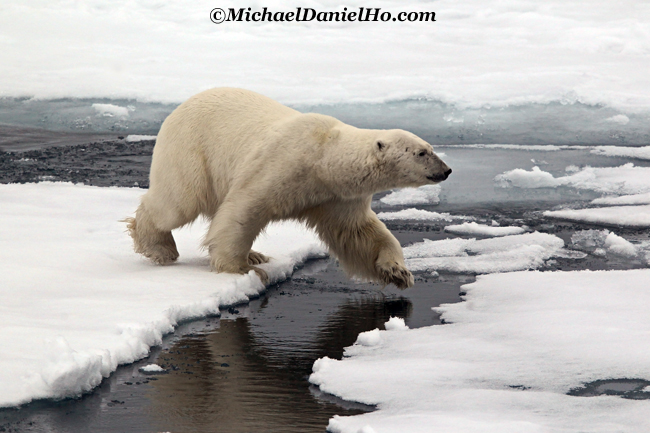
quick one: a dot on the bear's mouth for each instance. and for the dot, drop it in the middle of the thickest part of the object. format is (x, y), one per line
(436, 178)
(440, 177)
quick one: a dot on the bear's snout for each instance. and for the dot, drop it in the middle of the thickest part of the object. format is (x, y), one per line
(447, 173)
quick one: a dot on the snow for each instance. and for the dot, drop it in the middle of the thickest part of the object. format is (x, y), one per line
(476, 53)
(152, 368)
(512, 351)
(419, 215)
(77, 301)
(428, 194)
(369, 338)
(633, 216)
(472, 228)
(396, 324)
(504, 254)
(629, 152)
(626, 179)
(624, 199)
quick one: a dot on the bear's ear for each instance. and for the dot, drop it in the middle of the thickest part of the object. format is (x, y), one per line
(380, 145)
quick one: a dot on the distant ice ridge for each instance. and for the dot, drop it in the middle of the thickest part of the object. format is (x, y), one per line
(136, 137)
(428, 194)
(504, 254)
(77, 301)
(624, 199)
(513, 350)
(524, 147)
(110, 110)
(630, 152)
(626, 179)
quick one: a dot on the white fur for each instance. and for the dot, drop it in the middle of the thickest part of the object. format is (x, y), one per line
(244, 160)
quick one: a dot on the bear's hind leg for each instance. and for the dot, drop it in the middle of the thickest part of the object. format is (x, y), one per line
(150, 241)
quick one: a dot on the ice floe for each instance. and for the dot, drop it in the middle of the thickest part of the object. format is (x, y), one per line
(633, 216)
(626, 179)
(473, 228)
(428, 194)
(77, 301)
(513, 350)
(419, 215)
(503, 254)
(599, 242)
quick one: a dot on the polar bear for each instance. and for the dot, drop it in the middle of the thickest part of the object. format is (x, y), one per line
(243, 160)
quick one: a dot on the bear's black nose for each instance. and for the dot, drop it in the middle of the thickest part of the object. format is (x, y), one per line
(447, 173)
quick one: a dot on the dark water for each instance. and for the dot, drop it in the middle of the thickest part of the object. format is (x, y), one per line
(634, 389)
(246, 371)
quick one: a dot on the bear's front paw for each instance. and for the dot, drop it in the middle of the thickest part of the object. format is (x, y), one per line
(255, 258)
(394, 273)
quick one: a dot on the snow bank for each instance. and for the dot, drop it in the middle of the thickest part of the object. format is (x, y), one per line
(626, 179)
(514, 348)
(505, 254)
(472, 228)
(634, 216)
(418, 215)
(77, 301)
(630, 152)
(428, 194)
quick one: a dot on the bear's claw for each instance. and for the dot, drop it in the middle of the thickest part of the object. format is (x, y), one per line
(255, 258)
(397, 274)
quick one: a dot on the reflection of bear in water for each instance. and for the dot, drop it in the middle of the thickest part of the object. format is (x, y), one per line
(243, 160)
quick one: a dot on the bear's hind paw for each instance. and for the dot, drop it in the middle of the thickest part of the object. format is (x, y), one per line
(161, 255)
(397, 274)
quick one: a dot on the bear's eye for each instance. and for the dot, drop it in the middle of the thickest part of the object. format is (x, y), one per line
(422, 153)
(380, 145)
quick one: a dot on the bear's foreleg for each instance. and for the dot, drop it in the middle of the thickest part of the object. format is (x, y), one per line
(361, 242)
(231, 235)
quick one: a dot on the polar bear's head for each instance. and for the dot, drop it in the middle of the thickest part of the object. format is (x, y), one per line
(409, 160)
